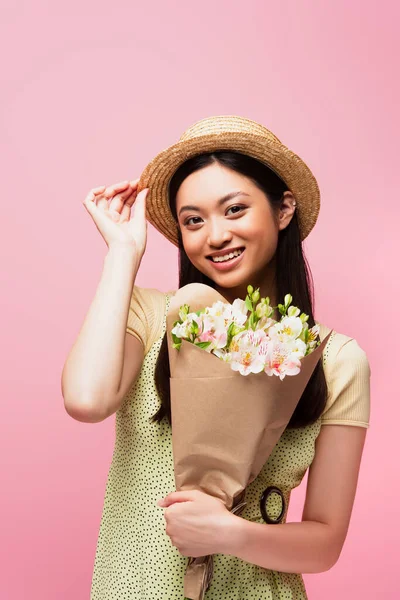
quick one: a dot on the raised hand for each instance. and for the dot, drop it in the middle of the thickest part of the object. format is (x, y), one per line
(110, 208)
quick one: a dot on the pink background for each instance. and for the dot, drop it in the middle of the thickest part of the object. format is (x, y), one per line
(93, 91)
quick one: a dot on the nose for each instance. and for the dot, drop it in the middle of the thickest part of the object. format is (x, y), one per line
(218, 233)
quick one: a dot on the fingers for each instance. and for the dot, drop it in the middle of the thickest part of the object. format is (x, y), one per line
(117, 193)
(122, 195)
(116, 187)
(129, 200)
(112, 193)
(90, 199)
(94, 192)
(173, 497)
(117, 202)
(125, 213)
(140, 205)
(118, 197)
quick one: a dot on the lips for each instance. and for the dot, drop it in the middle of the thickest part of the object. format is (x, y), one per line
(225, 252)
(227, 265)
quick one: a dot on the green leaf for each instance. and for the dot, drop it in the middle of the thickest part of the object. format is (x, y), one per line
(248, 303)
(176, 339)
(202, 344)
(230, 333)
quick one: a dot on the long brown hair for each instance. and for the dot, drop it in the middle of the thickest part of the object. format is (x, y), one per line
(292, 275)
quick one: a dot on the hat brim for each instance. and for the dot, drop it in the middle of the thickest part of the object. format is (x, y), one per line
(285, 163)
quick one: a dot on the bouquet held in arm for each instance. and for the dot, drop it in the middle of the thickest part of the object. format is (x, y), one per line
(237, 375)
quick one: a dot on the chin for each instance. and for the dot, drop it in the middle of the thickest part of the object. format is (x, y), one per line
(229, 280)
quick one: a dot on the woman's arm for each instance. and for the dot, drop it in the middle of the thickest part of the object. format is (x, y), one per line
(313, 545)
(104, 359)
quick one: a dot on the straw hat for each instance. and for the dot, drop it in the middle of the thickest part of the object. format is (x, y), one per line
(228, 132)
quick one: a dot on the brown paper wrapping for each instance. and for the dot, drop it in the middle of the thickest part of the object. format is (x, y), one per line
(224, 424)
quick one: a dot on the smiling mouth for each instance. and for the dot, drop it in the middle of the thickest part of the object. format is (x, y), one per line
(226, 257)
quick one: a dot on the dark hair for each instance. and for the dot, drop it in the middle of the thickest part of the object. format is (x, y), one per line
(292, 275)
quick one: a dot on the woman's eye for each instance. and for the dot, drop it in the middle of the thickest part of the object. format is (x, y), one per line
(236, 206)
(187, 222)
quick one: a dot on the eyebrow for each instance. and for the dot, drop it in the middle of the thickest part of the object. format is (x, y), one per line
(220, 202)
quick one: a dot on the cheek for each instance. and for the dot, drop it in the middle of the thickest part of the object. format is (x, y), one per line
(259, 227)
(261, 238)
(193, 244)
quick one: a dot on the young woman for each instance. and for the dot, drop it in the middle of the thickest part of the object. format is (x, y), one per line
(238, 205)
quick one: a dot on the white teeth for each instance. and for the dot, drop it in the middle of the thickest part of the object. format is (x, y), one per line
(226, 256)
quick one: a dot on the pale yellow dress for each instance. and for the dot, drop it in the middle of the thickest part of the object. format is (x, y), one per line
(134, 557)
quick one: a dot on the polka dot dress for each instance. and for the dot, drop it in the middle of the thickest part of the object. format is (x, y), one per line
(134, 557)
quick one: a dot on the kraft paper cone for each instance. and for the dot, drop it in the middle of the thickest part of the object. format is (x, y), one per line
(224, 425)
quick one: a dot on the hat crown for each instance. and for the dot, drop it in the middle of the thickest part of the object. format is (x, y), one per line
(224, 124)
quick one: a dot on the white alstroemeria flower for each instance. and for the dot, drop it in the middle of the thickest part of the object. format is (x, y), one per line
(229, 312)
(245, 355)
(265, 323)
(217, 309)
(239, 312)
(182, 330)
(280, 360)
(286, 330)
(298, 348)
(185, 329)
(313, 333)
(213, 330)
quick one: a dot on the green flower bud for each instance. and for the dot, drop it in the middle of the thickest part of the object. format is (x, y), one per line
(288, 300)
(256, 295)
(183, 312)
(293, 311)
(250, 289)
(261, 310)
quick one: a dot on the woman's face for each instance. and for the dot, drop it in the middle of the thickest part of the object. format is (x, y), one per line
(215, 225)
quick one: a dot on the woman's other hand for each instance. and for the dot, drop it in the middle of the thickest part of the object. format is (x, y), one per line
(199, 524)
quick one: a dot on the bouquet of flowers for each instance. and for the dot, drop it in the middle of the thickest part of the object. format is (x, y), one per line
(227, 410)
(253, 342)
